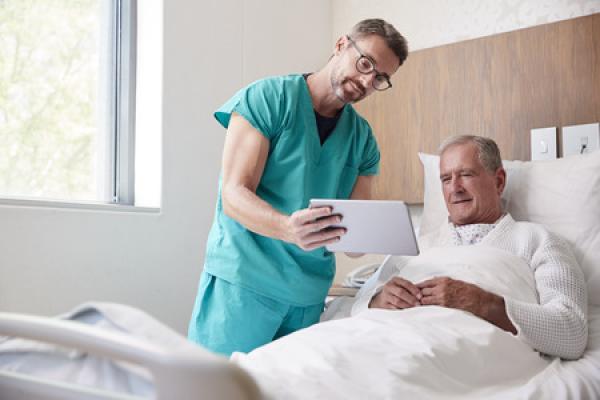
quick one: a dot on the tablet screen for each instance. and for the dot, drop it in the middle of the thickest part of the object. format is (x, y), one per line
(372, 226)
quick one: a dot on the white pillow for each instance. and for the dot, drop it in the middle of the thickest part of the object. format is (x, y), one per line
(563, 195)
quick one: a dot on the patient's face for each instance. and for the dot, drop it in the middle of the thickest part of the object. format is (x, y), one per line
(472, 193)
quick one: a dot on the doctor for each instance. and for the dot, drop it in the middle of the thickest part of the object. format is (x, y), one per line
(289, 139)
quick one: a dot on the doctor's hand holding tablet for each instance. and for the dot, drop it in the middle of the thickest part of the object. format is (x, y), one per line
(312, 228)
(371, 226)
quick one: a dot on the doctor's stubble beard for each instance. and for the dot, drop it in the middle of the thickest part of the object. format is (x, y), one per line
(337, 85)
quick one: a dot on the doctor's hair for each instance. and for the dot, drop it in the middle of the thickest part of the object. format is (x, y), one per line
(489, 153)
(375, 26)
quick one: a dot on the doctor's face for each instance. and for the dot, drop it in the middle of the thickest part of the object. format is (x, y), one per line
(471, 192)
(349, 84)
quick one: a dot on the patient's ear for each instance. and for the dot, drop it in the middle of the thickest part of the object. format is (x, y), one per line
(500, 180)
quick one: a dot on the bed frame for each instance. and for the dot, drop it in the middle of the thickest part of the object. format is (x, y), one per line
(176, 375)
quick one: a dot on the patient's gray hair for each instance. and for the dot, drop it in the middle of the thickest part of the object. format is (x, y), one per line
(375, 26)
(489, 153)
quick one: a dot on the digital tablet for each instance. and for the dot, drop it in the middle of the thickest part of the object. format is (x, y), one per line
(373, 226)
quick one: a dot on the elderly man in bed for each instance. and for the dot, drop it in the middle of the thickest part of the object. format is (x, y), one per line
(473, 179)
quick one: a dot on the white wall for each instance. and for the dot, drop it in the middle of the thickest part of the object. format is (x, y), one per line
(430, 23)
(54, 259)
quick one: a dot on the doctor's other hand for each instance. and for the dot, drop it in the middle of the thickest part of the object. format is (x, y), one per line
(397, 293)
(311, 228)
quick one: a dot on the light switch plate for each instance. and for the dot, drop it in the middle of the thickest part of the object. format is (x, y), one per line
(543, 143)
(577, 139)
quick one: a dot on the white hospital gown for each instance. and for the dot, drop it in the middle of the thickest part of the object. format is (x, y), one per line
(463, 235)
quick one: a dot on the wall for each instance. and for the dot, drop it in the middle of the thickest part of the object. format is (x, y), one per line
(53, 259)
(430, 23)
(499, 86)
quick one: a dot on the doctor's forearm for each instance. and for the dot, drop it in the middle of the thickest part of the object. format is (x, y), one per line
(244, 206)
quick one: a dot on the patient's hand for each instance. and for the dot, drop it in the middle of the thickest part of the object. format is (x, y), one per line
(451, 293)
(397, 293)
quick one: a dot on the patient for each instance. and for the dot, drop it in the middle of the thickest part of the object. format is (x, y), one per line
(473, 179)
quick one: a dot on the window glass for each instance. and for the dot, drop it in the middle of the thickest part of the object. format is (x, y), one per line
(55, 99)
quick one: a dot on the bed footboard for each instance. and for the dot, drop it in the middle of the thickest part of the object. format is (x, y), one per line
(191, 374)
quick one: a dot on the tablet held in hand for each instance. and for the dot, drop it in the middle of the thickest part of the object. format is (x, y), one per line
(372, 226)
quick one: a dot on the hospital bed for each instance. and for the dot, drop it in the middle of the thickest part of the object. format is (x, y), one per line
(373, 355)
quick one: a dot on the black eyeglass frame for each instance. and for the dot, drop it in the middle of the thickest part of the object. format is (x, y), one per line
(372, 68)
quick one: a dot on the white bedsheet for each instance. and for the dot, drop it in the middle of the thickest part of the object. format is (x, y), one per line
(352, 358)
(425, 352)
(373, 356)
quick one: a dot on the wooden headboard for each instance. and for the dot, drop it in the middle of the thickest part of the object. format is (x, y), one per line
(499, 86)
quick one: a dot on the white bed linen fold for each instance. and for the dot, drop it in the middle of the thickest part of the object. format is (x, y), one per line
(428, 354)
(439, 353)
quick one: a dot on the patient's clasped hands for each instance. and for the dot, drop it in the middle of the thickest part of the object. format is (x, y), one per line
(399, 293)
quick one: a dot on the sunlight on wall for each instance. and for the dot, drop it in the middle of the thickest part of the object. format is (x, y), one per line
(148, 152)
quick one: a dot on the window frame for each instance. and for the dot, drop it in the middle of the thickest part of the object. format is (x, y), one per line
(122, 108)
(123, 105)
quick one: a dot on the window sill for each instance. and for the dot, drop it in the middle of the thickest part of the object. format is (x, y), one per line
(76, 205)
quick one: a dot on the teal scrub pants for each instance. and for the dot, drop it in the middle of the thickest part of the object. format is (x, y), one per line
(228, 318)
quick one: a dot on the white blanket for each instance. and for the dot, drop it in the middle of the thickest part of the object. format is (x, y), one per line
(424, 352)
(488, 267)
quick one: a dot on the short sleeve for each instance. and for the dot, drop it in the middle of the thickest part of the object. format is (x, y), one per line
(259, 103)
(369, 164)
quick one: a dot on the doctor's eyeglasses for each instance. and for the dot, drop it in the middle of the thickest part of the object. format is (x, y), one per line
(366, 65)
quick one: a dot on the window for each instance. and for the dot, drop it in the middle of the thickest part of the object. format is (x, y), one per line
(67, 99)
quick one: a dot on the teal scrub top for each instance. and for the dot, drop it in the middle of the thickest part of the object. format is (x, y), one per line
(297, 169)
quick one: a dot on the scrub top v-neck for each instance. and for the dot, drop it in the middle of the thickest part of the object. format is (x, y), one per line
(325, 125)
(297, 169)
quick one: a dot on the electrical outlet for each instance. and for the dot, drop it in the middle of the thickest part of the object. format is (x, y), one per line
(543, 144)
(580, 139)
